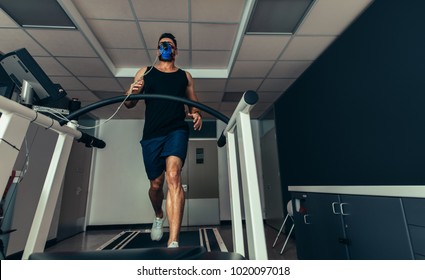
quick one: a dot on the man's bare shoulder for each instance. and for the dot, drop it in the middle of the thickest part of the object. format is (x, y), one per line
(188, 75)
(140, 73)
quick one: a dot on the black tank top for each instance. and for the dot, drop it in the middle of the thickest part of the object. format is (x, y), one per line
(164, 116)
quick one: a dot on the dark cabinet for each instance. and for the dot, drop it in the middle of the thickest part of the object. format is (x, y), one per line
(336, 226)
(415, 216)
(318, 229)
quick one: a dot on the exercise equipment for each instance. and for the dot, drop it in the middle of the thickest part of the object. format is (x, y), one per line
(181, 253)
(16, 119)
(207, 237)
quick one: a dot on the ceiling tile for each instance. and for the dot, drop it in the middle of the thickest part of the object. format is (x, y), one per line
(51, 66)
(125, 82)
(213, 36)
(243, 84)
(63, 42)
(6, 21)
(276, 84)
(231, 96)
(331, 17)
(17, 39)
(251, 69)
(114, 34)
(153, 30)
(108, 94)
(215, 106)
(210, 59)
(104, 9)
(256, 114)
(102, 113)
(258, 111)
(129, 58)
(216, 85)
(228, 106)
(261, 106)
(268, 96)
(289, 69)
(306, 47)
(168, 10)
(69, 83)
(87, 66)
(217, 10)
(262, 47)
(209, 96)
(83, 95)
(183, 59)
(102, 84)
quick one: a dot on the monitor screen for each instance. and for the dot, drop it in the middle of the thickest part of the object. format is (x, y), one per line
(6, 90)
(6, 85)
(20, 66)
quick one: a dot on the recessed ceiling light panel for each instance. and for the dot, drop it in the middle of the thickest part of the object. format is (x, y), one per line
(277, 16)
(40, 13)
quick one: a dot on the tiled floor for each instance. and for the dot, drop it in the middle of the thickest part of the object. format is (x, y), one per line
(93, 239)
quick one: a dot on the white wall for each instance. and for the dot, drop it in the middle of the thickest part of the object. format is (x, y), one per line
(119, 189)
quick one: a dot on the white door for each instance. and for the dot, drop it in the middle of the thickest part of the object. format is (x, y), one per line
(200, 180)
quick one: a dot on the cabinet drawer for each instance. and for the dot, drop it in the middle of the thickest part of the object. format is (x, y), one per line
(417, 235)
(415, 211)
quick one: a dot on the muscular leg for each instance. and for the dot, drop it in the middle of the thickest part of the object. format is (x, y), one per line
(175, 196)
(156, 195)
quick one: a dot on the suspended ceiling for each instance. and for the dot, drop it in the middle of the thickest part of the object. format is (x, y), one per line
(114, 38)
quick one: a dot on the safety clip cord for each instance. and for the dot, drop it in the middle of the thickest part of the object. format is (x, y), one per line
(10, 144)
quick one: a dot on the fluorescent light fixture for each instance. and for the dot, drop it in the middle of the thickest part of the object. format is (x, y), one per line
(277, 16)
(37, 14)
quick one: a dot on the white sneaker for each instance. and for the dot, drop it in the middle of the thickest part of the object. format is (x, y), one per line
(174, 244)
(156, 231)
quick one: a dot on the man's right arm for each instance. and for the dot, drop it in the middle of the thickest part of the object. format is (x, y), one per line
(135, 88)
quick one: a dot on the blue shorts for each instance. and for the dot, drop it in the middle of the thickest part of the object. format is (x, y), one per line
(156, 150)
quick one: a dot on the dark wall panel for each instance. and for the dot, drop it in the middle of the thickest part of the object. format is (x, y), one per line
(357, 115)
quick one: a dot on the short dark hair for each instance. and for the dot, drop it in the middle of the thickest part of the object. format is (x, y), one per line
(169, 36)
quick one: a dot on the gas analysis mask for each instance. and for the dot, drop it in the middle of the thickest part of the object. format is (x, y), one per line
(165, 51)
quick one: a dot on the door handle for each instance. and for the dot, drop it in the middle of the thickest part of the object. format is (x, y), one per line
(334, 208)
(341, 206)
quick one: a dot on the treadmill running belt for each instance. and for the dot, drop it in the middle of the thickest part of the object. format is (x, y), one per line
(208, 237)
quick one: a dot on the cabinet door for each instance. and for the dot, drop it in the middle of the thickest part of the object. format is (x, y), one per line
(376, 228)
(328, 235)
(302, 229)
(318, 228)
